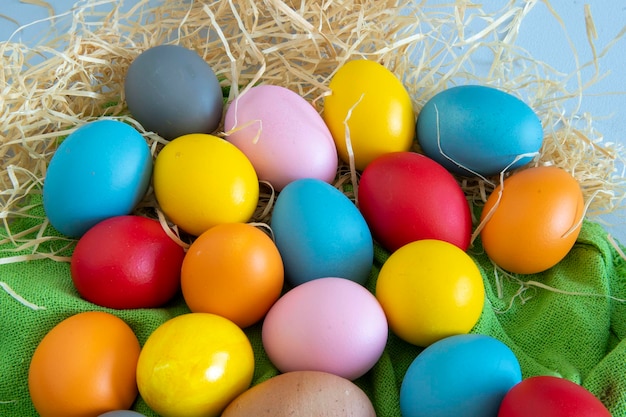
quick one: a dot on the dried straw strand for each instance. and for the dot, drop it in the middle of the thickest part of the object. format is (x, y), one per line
(48, 90)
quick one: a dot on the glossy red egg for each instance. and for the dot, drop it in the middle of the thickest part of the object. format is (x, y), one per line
(127, 262)
(550, 396)
(406, 196)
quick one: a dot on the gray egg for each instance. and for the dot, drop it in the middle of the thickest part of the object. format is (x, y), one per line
(172, 91)
(122, 413)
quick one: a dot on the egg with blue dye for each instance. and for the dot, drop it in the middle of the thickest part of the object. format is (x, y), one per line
(478, 130)
(320, 232)
(463, 375)
(100, 170)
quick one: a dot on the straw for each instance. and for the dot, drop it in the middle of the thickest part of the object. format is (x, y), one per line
(47, 90)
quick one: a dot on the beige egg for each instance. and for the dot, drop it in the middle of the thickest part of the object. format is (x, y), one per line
(302, 394)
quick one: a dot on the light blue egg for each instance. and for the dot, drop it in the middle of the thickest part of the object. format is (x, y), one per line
(474, 129)
(464, 375)
(320, 233)
(101, 170)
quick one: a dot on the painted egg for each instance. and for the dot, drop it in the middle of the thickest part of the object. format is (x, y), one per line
(302, 394)
(194, 365)
(463, 375)
(122, 413)
(405, 196)
(127, 262)
(234, 270)
(172, 91)
(201, 181)
(533, 219)
(100, 170)
(551, 396)
(474, 129)
(330, 325)
(430, 289)
(369, 112)
(320, 233)
(282, 134)
(85, 365)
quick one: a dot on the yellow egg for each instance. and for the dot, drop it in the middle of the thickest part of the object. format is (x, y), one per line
(377, 108)
(534, 219)
(194, 365)
(430, 289)
(201, 180)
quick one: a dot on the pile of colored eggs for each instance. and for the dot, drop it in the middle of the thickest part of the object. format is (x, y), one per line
(305, 280)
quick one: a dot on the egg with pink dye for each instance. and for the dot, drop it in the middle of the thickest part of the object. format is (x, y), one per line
(331, 325)
(282, 134)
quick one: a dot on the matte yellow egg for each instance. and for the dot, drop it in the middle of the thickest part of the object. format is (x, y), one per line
(376, 108)
(201, 181)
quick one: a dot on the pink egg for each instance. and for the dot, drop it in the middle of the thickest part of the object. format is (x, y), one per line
(282, 134)
(331, 325)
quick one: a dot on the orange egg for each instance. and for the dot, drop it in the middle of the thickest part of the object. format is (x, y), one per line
(233, 270)
(534, 221)
(84, 366)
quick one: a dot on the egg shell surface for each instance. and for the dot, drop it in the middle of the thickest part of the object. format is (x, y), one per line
(430, 289)
(172, 91)
(462, 375)
(330, 325)
(127, 262)
(475, 129)
(194, 365)
(369, 112)
(406, 196)
(234, 270)
(533, 219)
(303, 394)
(100, 170)
(282, 134)
(320, 233)
(551, 396)
(122, 413)
(85, 365)
(202, 180)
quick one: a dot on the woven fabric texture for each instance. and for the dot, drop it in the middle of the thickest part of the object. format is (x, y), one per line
(568, 321)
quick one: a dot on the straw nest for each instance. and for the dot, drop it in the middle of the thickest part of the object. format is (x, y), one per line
(76, 73)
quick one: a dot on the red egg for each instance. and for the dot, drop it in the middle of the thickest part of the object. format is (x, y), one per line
(550, 396)
(127, 262)
(406, 196)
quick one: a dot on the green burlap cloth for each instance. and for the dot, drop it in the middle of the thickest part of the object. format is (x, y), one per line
(579, 337)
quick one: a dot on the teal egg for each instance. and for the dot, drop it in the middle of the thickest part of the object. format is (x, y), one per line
(463, 375)
(320, 232)
(100, 170)
(474, 129)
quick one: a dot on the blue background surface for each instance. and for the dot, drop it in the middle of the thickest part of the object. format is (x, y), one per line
(559, 43)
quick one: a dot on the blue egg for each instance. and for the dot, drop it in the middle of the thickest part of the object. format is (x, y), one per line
(475, 129)
(464, 375)
(100, 170)
(122, 413)
(320, 233)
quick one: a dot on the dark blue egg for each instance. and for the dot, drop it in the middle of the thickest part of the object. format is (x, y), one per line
(475, 129)
(320, 233)
(100, 170)
(464, 375)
